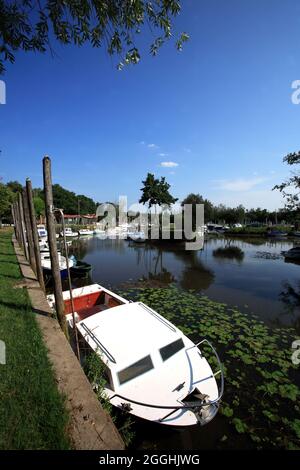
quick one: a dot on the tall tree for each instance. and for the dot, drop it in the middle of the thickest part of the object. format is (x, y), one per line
(195, 199)
(292, 198)
(156, 192)
(14, 186)
(6, 198)
(30, 25)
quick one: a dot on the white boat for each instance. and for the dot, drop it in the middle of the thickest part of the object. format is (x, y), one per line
(138, 237)
(69, 233)
(152, 369)
(42, 232)
(46, 264)
(85, 231)
(44, 247)
(99, 231)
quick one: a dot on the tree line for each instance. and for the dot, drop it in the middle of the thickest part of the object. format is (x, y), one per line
(62, 198)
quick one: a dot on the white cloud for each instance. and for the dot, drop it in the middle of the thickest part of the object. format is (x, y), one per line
(153, 146)
(169, 164)
(163, 154)
(240, 184)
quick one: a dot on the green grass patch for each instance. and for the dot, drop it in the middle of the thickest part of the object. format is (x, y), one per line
(32, 412)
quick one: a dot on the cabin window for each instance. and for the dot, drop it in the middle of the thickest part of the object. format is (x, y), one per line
(136, 369)
(171, 349)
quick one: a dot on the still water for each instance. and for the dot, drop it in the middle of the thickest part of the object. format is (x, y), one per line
(255, 278)
(251, 275)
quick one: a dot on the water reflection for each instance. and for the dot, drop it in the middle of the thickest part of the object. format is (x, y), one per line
(290, 296)
(226, 270)
(230, 252)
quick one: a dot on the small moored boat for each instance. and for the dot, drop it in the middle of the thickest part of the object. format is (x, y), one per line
(293, 253)
(69, 233)
(277, 234)
(137, 237)
(46, 264)
(152, 369)
(85, 231)
(42, 232)
(79, 268)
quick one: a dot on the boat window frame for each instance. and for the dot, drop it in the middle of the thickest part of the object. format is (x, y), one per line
(165, 348)
(149, 366)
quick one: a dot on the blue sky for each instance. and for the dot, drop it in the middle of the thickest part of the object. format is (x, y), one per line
(220, 111)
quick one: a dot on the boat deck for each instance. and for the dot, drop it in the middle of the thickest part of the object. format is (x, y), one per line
(89, 311)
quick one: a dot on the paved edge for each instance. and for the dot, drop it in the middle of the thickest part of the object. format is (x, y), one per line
(90, 427)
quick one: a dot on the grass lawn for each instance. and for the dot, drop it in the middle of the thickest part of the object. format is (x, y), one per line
(32, 413)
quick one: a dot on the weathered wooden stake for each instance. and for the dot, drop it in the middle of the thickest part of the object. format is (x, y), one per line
(35, 236)
(17, 212)
(70, 283)
(28, 230)
(24, 238)
(59, 303)
(13, 216)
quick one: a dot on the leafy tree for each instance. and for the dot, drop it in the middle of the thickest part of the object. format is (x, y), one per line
(195, 199)
(15, 186)
(39, 206)
(156, 192)
(114, 24)
(64, 199)
(6, 198)
(86, 204)
(292, 199)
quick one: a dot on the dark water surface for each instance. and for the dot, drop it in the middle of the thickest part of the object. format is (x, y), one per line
(255, 279)
(251, 275)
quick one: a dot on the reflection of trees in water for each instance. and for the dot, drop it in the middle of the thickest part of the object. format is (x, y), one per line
(152, 259)
(229, 252)
(195, 274)
(80, 247)
(290, 296)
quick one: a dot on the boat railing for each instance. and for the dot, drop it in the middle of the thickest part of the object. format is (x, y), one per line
(194, 405)
(99, 344)
(158, 317)
(220, 370)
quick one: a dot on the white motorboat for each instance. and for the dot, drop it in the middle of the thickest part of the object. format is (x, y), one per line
(138, 237)
(46, 264)
(99, 231)
(42, 232)
(69, 233)
(152, 369)
(85, 231)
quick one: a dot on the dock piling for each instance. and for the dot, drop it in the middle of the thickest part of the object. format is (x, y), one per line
(55, 268)
(35, 237)
(28, 230)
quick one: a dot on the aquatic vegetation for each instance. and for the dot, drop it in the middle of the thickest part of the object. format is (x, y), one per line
(262, 385)
(267, 255)
(231, 252)
(95, 371)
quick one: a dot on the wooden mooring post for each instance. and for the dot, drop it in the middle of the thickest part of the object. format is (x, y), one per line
(22, 223)
(35, 237)
(28, 230)
(16, 211)
(49, 209)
